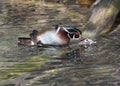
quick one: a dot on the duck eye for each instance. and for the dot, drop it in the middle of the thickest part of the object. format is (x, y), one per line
(77, 33)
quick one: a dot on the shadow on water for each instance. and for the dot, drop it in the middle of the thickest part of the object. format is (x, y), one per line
(93, 65)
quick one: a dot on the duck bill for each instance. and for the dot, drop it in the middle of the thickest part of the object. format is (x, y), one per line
(80, 37)
(25, 41)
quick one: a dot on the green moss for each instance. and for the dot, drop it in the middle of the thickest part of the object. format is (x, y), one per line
(23, 67)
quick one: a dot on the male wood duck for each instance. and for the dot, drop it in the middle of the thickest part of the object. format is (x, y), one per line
(60, 35)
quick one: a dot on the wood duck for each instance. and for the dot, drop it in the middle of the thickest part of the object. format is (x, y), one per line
(60, 35)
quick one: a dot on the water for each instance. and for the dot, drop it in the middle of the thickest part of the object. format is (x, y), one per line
(95, 65)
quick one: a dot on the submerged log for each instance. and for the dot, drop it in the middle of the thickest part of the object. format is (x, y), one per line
(104, 13)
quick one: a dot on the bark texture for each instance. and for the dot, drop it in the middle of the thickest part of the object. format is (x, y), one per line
(103, 16)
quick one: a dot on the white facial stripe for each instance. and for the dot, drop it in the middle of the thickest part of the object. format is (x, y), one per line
(65, 29)
(58, 30)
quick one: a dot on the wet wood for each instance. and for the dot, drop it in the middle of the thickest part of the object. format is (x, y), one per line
(102, 18)
(86, 3)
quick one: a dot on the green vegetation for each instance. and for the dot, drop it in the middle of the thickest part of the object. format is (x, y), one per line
(23, 67)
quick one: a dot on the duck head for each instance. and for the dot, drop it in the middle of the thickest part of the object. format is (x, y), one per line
(75, 34)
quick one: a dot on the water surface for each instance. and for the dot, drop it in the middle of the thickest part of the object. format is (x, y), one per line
(95, 65)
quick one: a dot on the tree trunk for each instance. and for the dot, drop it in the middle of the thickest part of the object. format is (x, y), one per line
(103, 16)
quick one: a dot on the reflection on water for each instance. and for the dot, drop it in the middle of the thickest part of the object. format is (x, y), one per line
(93, 65)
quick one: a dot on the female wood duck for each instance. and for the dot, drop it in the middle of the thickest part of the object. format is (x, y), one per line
(60, 35)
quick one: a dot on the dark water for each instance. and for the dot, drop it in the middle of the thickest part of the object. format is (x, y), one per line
(95, 65)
